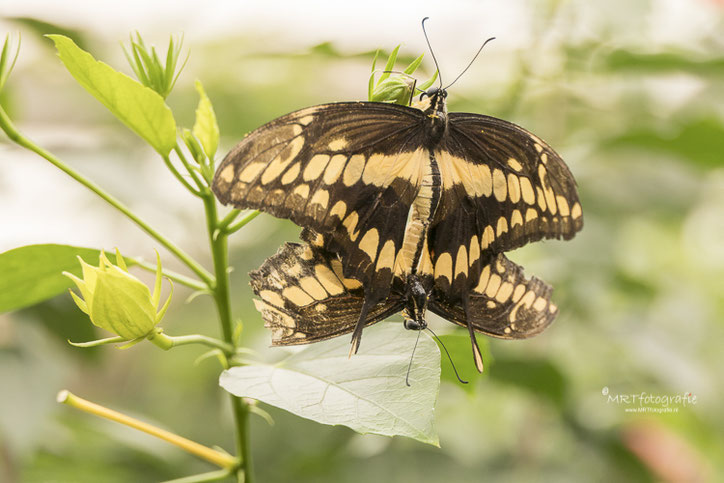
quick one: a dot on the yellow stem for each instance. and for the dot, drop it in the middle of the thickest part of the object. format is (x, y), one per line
(216, 457)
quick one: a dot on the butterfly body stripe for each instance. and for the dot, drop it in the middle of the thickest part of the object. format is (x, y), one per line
(420, 218)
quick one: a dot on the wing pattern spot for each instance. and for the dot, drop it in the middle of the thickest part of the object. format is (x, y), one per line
(443, 267)
(370, 242)
(315, 167)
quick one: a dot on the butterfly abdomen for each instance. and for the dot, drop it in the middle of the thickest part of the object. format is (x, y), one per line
(423, 211)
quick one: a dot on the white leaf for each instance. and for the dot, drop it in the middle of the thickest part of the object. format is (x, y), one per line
(366, 392)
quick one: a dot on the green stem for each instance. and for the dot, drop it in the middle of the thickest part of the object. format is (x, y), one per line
(176, 277)
(240, 224)
(178, 176)
(214, 456)
(7, 125)
(219, 251)
(229, 219)
(166, 341)
(192, 172)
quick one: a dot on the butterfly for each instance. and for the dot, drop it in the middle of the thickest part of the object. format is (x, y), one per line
(408, 208)
(305, 297)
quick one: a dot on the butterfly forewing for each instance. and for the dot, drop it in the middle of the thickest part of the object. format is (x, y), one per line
(350, 170)
(309, 165)
(521, 190)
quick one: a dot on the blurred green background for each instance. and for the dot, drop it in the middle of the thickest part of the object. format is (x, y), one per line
(631, 94)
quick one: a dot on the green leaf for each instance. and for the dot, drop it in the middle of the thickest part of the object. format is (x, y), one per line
(414, 65)
(138, 107)
(425, 85)
(33, 273)
(6, 64)
(389, 65)
(366, 392)
(206, 129)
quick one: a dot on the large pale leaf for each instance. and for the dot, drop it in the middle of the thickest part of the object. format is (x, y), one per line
(33, 273)
(366, 392)
(140, 108)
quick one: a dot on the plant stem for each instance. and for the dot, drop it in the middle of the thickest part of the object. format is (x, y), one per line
(211, 455)
(170, 274)
(240, 224)
(202, 187)
(229, 218)
(166, 341)
(178, 176)
(219, 251)
(7, 125)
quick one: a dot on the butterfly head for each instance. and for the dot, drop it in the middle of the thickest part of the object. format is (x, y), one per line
(432, 104)
(433, 92)
(416, 304)
(436, 98)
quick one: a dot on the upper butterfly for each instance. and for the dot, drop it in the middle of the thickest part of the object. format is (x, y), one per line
(407, 193)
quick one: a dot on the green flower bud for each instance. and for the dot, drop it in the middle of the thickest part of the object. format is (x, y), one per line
(117, 301)
(150, 69)
(396, 87)
(193, 145)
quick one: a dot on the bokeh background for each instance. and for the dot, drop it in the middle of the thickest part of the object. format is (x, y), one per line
(631, 93)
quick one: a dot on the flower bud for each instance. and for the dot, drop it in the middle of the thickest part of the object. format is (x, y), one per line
(394, 86)
(194, 147)
(150, 70)
(117, 301)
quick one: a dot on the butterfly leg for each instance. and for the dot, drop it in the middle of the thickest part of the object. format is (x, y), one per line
(477, 355)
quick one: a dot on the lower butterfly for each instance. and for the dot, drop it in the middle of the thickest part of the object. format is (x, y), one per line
(305, 297)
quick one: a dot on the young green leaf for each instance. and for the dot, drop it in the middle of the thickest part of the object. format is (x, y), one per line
(32, 274)
(206, 129)
(366, 392)
(7, 59)
(138, 107)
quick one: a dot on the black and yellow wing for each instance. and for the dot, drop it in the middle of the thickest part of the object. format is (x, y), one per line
(502, 187)
(348, 170)
(503, 304)
(304, 297)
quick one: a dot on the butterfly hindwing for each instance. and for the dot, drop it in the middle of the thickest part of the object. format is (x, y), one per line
(503, 304)
(305, 298)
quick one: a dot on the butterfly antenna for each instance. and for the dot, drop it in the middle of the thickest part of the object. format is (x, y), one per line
(409, 367)
(434, 59)
(448, 356)
(471, 62)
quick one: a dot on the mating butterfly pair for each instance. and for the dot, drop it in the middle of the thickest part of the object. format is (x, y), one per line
(404, 209)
